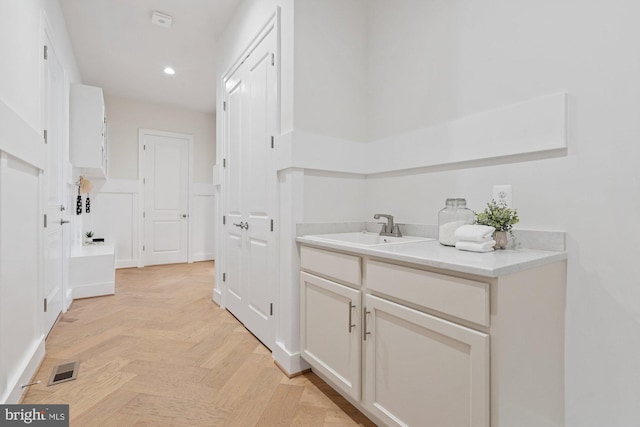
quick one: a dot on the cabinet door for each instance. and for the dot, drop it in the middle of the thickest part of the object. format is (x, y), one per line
(421, 370)
(330, 331)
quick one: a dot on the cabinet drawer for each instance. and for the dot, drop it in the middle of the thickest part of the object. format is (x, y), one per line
(462, 298)
(342, 267)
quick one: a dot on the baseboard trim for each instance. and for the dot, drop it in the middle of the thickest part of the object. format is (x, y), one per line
(296, 374)
(217, 297)
(94, 290)
(31, 366)
(289, 363)
(207, 256)
(126, 263)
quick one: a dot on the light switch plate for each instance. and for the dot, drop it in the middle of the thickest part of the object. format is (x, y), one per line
(502, 194)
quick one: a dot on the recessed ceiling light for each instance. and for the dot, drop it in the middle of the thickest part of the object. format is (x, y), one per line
(170, 71)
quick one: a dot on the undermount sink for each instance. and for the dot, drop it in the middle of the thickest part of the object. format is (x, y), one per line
(367, 239)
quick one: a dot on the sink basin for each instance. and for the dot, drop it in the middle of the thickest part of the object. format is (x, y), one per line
(367, 239)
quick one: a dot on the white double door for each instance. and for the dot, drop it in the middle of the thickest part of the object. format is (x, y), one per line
(166, 197)
(250, 267)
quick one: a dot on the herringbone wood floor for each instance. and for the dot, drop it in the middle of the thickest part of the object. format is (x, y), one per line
(161, 353)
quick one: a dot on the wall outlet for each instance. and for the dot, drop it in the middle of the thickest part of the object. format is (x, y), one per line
(502, 195)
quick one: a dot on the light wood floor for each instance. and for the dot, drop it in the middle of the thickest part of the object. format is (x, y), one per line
(161, 353)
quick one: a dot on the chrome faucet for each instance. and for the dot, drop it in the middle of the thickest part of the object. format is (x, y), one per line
(388, 229)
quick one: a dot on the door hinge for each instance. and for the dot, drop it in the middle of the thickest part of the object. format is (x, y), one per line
(272, 140)
(45, 220)
(224, 106)
(144, 214)
(224, 220)
(271, 309)
(46, 136)
(224, 277)
(144, 148)
(143, 248)
(273, 59)
(46, 52)
(271, 225)
(144, 180)
(224, 163)
(45, 305)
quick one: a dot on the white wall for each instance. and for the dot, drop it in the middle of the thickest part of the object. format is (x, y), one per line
(21, 59)
(402, 78)
(330, 83)
(330, 102)
(126, 116)
(483, 55)
(331, 197)
(21, 161)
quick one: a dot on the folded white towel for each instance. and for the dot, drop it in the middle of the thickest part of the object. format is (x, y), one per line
(474, 233)
(464, 245)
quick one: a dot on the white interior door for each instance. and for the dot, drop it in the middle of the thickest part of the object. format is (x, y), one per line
(250, 187)
(234, 196)
(54, 203)
(166, 195)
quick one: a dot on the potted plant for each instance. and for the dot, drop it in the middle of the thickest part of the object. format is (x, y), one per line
(88, 237)
(500, 217)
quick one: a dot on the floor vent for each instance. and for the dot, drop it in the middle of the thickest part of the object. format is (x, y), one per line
(65, 372)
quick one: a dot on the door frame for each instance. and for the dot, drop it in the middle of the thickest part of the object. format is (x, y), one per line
(273, 23)
(142, 132)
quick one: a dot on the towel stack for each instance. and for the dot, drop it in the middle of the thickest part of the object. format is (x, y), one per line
(475, 238)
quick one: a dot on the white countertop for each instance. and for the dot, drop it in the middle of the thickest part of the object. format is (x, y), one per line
(433, 254)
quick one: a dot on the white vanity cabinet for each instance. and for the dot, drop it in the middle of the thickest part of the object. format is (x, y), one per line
(330, 316)
(421, 369)
(88, 130)
(436, 347)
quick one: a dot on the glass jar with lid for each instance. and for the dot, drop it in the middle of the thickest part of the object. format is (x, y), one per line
(453, 216)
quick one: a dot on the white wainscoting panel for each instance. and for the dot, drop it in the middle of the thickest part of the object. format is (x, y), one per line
(203, 217)
(21, 295)
(114, 213)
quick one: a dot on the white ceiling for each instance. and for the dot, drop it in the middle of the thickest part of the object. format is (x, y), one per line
(117, 48)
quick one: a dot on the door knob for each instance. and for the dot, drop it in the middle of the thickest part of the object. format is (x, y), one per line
(246, 226)
(184, 215)
(62, 222)
(241, 225)
(62, 208)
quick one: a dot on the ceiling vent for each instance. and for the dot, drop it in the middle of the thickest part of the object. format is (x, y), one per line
(161, 19)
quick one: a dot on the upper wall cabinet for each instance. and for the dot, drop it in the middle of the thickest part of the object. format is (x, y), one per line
(88, 130)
